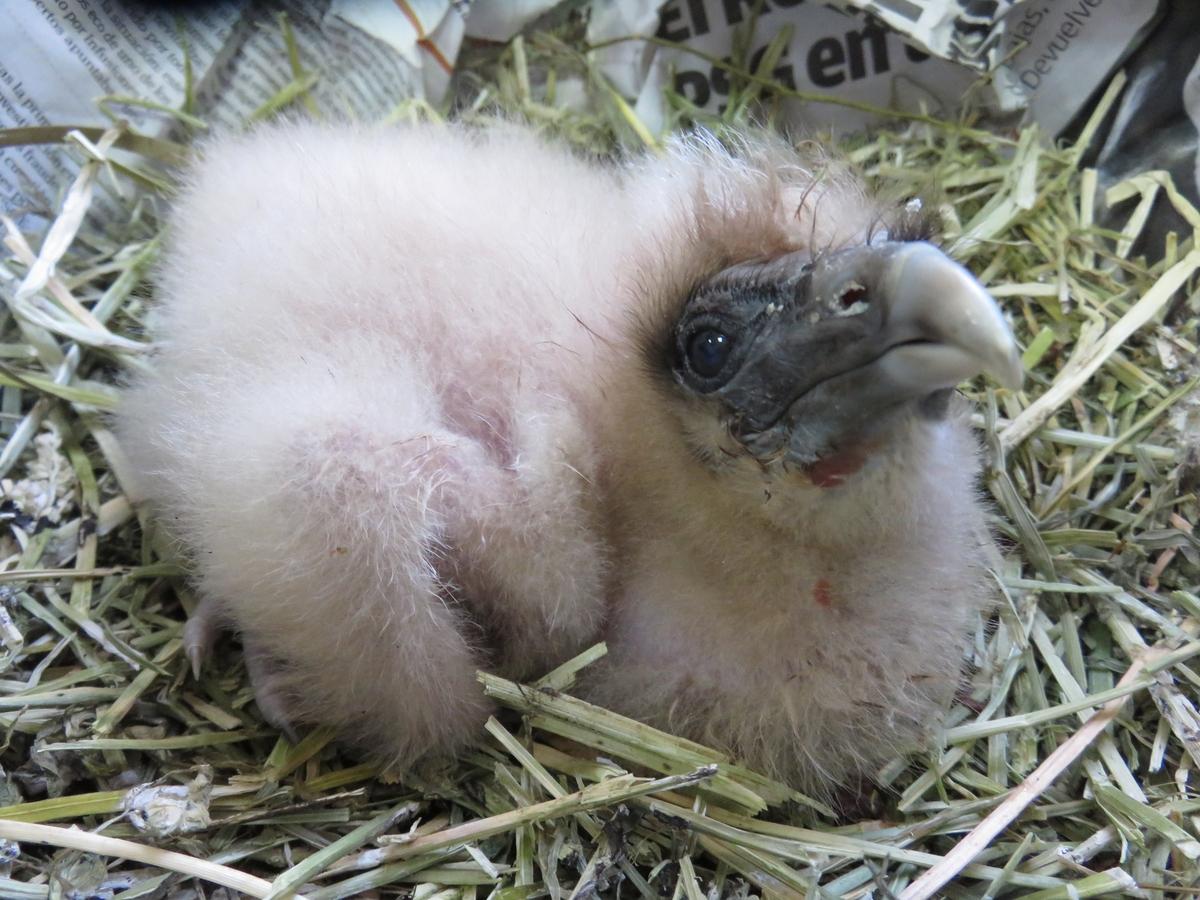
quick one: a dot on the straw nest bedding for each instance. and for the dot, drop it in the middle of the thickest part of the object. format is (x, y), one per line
(1070, 771)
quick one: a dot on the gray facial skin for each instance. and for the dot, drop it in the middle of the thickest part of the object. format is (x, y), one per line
(806, 356)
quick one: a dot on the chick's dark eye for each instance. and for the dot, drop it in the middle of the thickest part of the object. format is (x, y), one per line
(708, 351)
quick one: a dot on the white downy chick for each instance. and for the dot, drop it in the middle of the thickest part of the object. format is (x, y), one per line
(429, 400)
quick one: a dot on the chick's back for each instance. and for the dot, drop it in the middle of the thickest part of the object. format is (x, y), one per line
(368, 416)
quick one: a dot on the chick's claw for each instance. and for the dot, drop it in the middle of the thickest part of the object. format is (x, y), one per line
(270, 692)
(200, 633)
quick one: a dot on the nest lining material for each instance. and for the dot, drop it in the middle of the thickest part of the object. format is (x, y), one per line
(1069, 772)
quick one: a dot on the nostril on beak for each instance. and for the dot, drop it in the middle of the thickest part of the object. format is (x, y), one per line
(853, 300)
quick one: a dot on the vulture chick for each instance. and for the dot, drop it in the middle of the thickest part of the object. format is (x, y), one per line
(431, 400)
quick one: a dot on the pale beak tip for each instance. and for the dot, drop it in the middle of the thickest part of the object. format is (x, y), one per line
(955, 305)
(1008, 370)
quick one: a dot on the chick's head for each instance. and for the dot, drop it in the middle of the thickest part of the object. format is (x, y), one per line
(803, 370)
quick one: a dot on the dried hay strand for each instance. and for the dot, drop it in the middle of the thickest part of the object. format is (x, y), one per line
(1068, 772)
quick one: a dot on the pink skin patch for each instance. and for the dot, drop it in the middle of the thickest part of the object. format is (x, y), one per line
(834, 470)
(823, 593)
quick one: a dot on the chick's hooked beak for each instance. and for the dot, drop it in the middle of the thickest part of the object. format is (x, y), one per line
(941, 326)
(822, 354)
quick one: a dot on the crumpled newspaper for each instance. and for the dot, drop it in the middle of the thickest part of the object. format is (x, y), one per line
(47, 488)
(1046, 58)
(10, 852)
(970, 32)
(162, 810)
(79, 876)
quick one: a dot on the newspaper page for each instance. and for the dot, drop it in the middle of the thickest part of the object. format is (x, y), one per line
(1056, 52)
(59, 57)
(830, 52)
(1060, 51)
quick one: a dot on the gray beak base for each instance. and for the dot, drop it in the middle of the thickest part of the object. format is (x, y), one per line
(882, 327)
